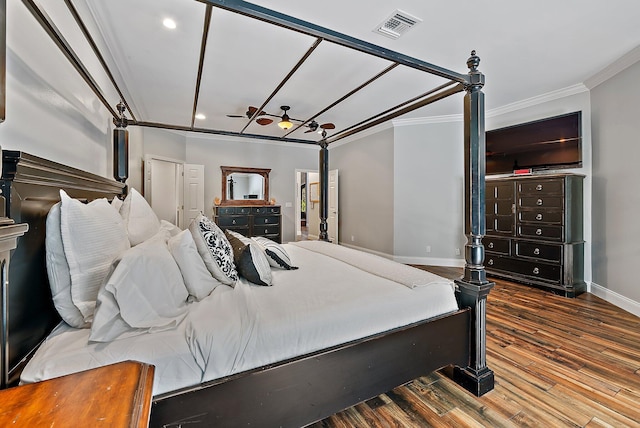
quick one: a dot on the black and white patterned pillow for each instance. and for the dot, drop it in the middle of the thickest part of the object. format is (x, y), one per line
(215, 250)
(275, 252)
(249, 259)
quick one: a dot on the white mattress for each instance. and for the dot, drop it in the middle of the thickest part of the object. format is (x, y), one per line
(324, 303)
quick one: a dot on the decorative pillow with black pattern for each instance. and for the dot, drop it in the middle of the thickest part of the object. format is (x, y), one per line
(275, 252)
(215, 250)
(249, 258)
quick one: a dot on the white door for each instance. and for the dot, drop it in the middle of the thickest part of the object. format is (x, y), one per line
(193, 192)
(163, 188)
(332, 219)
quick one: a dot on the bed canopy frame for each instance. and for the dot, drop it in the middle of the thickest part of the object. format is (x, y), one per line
(26, 179)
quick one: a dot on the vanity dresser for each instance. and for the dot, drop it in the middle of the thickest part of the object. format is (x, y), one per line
(535, 231)
(245, 206)
(264, 220)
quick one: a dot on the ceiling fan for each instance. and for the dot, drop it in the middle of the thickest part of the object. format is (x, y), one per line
(249, 114)
(285, 121)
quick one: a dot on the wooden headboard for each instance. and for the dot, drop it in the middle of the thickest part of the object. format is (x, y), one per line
(30, 186)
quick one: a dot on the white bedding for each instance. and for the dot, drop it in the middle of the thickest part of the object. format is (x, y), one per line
(324, 303)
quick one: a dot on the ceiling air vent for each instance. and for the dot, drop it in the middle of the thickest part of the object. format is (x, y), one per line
(397, 24)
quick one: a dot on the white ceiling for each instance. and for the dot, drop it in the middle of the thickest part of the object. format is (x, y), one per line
(527, 49)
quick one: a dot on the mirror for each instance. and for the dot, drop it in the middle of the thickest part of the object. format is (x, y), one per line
(245, 186)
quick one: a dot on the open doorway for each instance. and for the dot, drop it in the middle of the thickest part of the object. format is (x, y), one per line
(308, 205)
(307, 227)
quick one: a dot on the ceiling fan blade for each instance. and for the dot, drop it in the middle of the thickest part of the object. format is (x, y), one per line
(263, 121)
(251, 110)
(309, 130)
(328, 126)
(235, 115)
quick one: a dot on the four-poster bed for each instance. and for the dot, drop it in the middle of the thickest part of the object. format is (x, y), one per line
(309, 387)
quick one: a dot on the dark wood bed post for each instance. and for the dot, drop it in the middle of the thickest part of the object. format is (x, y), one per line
(473, 287)
(324, 189)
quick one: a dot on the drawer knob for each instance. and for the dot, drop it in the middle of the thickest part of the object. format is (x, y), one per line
(539, 216)
(536, 251)
(539, 187)
(266, 220)
(539, 202)
(490, 262)
(490, 244)
(538, 232)
(233, 221)
(536, 271)
(266, 231)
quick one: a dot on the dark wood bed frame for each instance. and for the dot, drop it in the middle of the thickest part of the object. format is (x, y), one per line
(299, 391)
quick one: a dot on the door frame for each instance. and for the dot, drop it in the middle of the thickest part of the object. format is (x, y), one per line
(298, 198)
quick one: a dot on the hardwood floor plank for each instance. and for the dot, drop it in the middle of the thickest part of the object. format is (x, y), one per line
(558, 362)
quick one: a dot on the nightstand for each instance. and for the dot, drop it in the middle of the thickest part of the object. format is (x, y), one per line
(114, 396)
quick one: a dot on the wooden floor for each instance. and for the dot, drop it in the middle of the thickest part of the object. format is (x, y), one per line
(558, 362)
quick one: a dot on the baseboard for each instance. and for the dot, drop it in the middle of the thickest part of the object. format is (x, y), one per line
(367, 250)
(430, 261)
(615, 298)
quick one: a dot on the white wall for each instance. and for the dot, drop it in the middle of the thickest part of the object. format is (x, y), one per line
(366, 191)
(616, 200)
(50, 111)
(429, 193)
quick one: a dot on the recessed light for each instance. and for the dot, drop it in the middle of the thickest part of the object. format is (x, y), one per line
(169, 23)
(200, 116)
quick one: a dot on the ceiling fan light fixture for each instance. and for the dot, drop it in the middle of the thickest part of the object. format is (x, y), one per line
(285, 123)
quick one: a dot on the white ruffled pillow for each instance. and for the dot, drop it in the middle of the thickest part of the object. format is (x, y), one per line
(215, 250)
(140, 221)
(276, 254)
(197, 278)
(58, 271)
(93, 235)
(144, 293)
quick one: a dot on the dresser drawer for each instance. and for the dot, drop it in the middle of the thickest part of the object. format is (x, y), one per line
(551, 233)
(541, 201)
(225, 210)
(497, 245)
(227, 221)
(233, 211)
(550, 252)
(265, 210)
(540, 216)
(532, 269)
(261, 220)
(541, 186)
(269, 230)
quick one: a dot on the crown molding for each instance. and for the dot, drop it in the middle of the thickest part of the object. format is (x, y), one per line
(538, 99)
(427, 120)
(625, 61)
(374, 130)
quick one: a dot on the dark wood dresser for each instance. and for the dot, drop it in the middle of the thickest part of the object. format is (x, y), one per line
(534, 231)
(263, 220)
(118, 395)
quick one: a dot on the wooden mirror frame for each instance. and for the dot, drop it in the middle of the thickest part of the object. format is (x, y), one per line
(228, 170)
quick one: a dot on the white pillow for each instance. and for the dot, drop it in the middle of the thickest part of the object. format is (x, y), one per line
(93, 235)
(144, 293)
(276, 254)
(116, 203)
(215, 250)
(140, 221)
(196, 277)
(58, 271)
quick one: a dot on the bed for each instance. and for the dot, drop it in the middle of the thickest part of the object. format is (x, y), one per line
(284, 389)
